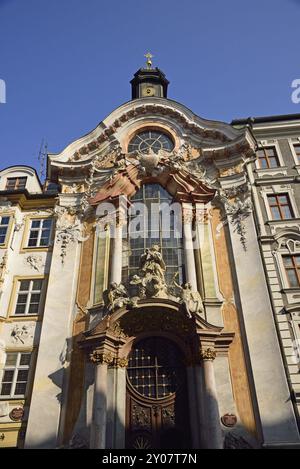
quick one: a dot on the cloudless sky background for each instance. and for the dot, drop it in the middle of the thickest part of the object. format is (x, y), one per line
(67, 63)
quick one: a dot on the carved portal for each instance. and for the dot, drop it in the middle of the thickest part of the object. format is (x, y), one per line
(157, 410)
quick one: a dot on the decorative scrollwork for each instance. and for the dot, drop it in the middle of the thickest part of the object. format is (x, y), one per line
(134, 322)
(68, 229)
(141, 442)
(140, 417)
(238, 206)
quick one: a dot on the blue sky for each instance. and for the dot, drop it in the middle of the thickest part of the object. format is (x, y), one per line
(67, 63)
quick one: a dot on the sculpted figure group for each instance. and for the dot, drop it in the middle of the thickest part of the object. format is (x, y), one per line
(151, 283)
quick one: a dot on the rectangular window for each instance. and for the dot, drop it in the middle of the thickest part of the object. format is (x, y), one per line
(16, 183)
(15, 374)
(40, 232)
(292, 268)
(4, 223)
(29, 297)
(267, 158)
(280, 206)
(297, 151)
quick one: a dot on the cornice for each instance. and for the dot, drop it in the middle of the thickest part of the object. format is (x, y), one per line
(219, 132)
(271, 181)
(30, 201)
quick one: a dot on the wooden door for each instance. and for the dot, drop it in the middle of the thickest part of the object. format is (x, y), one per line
(157, 404)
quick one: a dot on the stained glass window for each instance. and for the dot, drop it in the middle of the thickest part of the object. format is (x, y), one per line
(153, 223)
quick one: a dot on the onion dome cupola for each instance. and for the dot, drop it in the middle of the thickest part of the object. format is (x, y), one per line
(149, 81)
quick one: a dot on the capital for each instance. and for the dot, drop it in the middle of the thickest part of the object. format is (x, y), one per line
(187, 216)
(121, 362)
(201, 215)
(208, 354)
(101, 358)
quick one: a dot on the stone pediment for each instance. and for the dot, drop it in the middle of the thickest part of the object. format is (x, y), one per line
(103, 146)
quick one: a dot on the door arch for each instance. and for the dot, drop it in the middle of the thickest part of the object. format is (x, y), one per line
(157, 414)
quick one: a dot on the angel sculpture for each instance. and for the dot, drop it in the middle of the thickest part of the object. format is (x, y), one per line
(115, 296)
(190, 298)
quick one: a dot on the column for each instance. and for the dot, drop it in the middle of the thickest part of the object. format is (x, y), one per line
(201, 233)
(120, 403)
(194, 395)
(116, 252)
(116, 404)
(190, 268)
(211, 427)
(116, 255)
(99, 417)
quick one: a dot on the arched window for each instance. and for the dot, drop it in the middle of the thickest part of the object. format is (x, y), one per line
(151, 225)
(155, 369)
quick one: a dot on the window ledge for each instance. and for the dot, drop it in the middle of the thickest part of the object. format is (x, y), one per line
(261, 172)
(25, 317)
(281, 222)
(15, 400)
(36, 249)
(291, 290)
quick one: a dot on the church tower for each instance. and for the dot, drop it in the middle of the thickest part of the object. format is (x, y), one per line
(149, 82)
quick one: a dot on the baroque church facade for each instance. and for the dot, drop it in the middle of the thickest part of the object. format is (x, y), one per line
(150, 288)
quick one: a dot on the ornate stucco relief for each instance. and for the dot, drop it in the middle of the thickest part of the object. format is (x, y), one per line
(22, 334)
(238, 205)
(68, 228)
(35, 262)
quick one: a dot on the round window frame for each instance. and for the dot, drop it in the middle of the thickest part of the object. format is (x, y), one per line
(161, 130)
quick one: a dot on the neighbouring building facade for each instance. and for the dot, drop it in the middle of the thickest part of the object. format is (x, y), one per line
(150, 288)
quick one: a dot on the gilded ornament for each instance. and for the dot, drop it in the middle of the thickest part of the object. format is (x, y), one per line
(121, 362)
(208, 354)
(101, 358)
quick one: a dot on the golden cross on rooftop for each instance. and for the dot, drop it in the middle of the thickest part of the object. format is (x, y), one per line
(149, 61)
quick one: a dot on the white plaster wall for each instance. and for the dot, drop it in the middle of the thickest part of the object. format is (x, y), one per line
(274, 401)
(45, 409)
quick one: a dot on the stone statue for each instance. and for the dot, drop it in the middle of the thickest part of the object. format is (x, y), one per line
(190, 299)
(152, 283)
(115, 296)
(152, 262)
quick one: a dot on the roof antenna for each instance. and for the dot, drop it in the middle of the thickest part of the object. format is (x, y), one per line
(42, 158)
